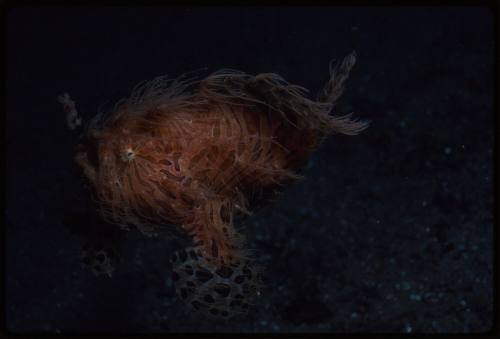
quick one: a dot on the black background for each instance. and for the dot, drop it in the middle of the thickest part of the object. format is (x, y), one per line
(391, 230)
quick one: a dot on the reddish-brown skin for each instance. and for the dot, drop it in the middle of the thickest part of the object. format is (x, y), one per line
(196, 158)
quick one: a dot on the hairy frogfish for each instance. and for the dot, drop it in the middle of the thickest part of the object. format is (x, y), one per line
(191, 156)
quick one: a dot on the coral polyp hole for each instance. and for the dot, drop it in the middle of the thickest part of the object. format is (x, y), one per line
(209, 299)
(224, 272)
(235, 303)
(222, 289)
(100, 257)
(196, 304)
(203, 275)
(239, 279)
(214, 311)
(175, 276)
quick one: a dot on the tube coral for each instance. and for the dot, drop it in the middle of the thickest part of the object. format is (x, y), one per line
(189, 155)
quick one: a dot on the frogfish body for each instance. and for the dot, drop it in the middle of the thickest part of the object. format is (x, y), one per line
(189, 156)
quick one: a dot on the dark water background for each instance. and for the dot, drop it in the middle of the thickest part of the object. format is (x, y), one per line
(390, 231)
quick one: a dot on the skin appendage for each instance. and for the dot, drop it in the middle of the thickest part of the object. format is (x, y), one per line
(73, 120)
(188, 156)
